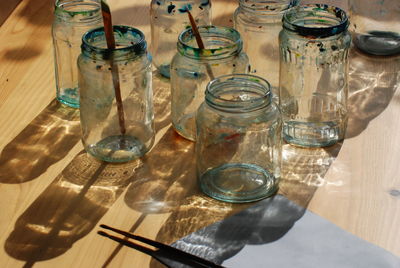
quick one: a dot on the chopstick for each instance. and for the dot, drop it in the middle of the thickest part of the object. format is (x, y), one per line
(164, 251)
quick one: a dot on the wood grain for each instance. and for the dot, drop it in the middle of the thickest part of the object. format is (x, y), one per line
(6, 7)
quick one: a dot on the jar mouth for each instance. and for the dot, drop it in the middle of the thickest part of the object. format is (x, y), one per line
(130, 43)
(219, 42)
(78, 10)
(267, 6)
(316, 20)
(238, 93)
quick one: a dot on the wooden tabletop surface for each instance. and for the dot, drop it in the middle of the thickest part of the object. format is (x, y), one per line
(53, 196)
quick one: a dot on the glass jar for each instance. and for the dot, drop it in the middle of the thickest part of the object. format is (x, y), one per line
(259, 23)
(238, 148)
(72, 18)
(313, 83)
(192, 68)
(168, 20)
(110, 131)
(376, 26)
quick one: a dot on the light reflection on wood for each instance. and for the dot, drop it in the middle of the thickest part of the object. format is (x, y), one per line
(303, 171)
(373, 80)
(68, 209)
(45, 141)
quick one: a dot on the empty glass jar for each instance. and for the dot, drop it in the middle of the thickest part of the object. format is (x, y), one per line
(192, 68)
(376, 26)
(168, 20)
(259, 23)
(72, 18)
(314, 47)
(116, 131)
(238, 147)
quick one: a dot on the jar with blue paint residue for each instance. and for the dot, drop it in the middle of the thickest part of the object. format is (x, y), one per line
(192, 68)
(259, 23)
(313, 84)
(376, 26)
(105, 76)
(168, 20)
(238, 143)
(72, 18)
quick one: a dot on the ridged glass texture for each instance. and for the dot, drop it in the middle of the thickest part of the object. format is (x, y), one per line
(314, 47)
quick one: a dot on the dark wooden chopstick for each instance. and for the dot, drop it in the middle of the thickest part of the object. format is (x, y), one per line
(165, 250)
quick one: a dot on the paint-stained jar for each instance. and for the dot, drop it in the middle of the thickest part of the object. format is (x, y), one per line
(192, 68)
(72, 18)
(238, 144)
(314, 46)
(259, 23)
(116, 99)
(168, 20)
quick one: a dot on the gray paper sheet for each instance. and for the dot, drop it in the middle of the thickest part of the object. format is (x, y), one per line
(276, 232)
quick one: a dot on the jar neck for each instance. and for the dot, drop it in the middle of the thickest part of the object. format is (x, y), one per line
(267, 7)
(219, 43)
(316, 20)
(238, 93)
(130, 44)
(78, 11)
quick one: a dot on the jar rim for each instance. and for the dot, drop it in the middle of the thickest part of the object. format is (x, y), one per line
(238, 83)
(137, 44)
(229, 34)
(65, 8)
(316, 20)
(268, 6)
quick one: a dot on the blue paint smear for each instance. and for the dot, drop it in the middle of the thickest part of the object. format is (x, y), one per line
(185, 8)
(171, 7)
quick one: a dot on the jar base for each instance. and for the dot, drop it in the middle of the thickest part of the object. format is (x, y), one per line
(118, 148)
(186, 126)
(378, 43)
(164, 70)
(238, 183)
(69, 97)
(308, 134)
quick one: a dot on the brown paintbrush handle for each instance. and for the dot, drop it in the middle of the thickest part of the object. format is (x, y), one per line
(109, 32)
(199, 41)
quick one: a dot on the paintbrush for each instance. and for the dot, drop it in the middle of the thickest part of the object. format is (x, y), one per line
(109, 32)
(199, 41)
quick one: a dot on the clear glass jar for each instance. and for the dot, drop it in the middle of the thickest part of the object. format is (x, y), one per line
(376, 26)
(313, 83)
(72, 18)
(259, 23)
(102, 134)
(238, 148)
(168, 20)
(192, 68)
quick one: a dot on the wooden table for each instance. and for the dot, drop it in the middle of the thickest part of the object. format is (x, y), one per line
(53, 196)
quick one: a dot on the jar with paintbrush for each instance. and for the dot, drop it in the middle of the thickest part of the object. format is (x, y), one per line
(203, 54)
(116, 97)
